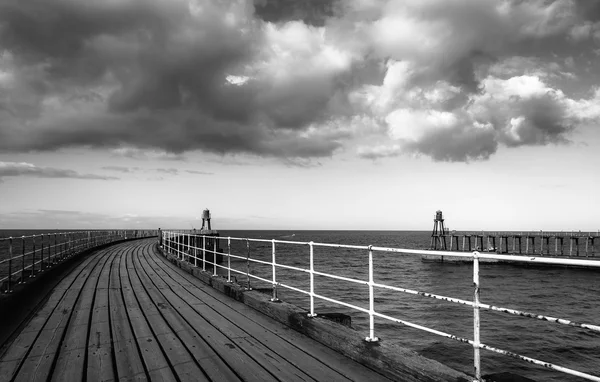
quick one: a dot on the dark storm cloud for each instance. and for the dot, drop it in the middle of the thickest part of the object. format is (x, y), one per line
(151, 75)
(588, 10)
(14, 169)
(461, 144)
(154, 79)
(312, 12)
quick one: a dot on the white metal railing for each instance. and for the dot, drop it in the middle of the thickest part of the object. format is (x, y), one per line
(24, 256)
(183, 245)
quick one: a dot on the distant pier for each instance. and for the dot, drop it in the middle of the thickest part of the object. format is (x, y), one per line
(564, 244)
(533, 243)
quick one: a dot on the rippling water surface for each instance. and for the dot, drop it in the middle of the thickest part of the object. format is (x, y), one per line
(573, 294)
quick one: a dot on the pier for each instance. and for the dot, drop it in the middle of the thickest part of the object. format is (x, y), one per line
(125, 312)
(173, 307)
(566, 244)
(533, 243)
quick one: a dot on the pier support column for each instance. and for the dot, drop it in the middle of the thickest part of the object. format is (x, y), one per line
(479, 242)
(532, 244)
(453, 242)
(503, 245)
(546, 241)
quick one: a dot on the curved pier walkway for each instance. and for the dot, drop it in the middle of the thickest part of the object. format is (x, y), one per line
(125, 313)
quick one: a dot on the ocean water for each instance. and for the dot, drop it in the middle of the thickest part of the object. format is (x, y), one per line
(572, 294)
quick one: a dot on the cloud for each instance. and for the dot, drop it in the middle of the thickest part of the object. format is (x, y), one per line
(170, 171)
(17, 169)
(287, 79)
(121, 169)
(141, 154)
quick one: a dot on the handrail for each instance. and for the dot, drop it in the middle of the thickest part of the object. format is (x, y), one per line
(29, 255)
(180, 244)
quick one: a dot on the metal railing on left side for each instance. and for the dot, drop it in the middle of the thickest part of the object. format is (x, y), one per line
(26, 256)
(187, 246)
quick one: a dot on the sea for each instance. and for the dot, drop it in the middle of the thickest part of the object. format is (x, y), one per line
(568, 293)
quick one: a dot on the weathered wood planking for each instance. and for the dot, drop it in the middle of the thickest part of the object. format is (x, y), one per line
(45, 331)
(233, 357)
(126, 313)
(270, 332)
(21, 345)
(128, 360)
(283, 358)
(71, 359)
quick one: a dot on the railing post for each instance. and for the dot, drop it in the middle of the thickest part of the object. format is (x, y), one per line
(312, 281)
(195, 251)
(189, 251)
(215, 256)
(476, 321)
(229, 259)
(274, 267)
(42, 255)
(203, 253)
(10, 256)
(33, 259)
(22, 260)
(248, 263)
(371, 337)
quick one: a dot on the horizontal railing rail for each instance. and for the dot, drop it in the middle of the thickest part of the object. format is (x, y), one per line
(23, 257)
(192, 247)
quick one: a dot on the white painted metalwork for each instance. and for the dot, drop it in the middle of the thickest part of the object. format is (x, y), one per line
(476, 320)
(33, 259)
(371, 337)
(476, 304)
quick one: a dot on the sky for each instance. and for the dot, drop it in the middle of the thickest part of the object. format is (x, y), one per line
(330, 114)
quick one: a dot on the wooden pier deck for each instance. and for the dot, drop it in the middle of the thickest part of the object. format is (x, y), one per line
(125, 313)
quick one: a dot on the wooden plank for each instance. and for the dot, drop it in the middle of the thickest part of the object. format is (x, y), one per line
(180, 359)
(277, 358)
(70, 363)
(46, 347)
(234, 356)
(214, 367)
(8, 365)
(152, 356)
(129, 362)
(100, 365)
(273, 332)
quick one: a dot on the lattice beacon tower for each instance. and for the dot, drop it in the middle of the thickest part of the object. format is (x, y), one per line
(438, 236)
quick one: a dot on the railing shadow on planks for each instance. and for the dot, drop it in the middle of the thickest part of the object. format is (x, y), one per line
(203, 251)
(23, 257)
